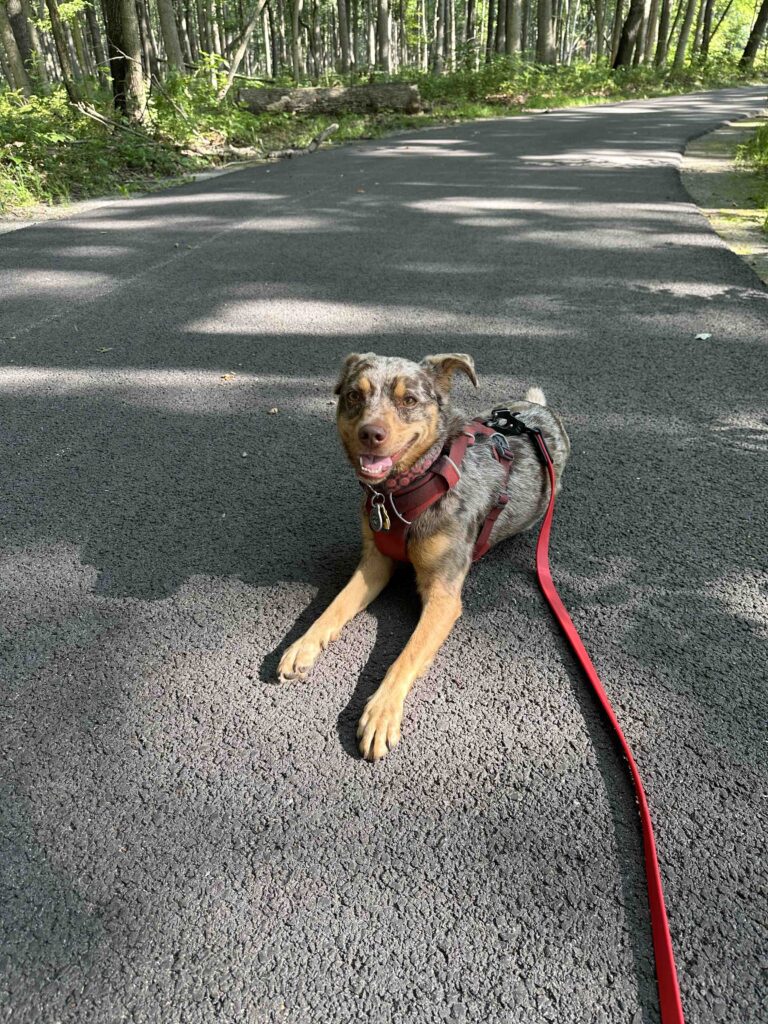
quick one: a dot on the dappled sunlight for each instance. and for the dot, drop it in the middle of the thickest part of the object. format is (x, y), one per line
(746, 431)
(305, 317)
(605, 158)
(19, 283)
(421, 150)
(203, 392)
(745, 597)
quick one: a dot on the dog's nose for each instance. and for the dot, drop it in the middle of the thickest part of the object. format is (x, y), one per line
(373, 434)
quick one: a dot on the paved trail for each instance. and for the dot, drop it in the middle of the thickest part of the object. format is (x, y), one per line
(182, 840)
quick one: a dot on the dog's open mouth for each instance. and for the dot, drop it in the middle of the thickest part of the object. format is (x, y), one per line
(376, 467)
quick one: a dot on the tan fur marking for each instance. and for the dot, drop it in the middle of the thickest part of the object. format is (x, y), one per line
(364, 385)
(427, 552)
(424, 443)
(399, 389)
(379, 727)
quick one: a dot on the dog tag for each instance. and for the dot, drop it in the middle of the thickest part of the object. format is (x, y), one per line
(378, 519)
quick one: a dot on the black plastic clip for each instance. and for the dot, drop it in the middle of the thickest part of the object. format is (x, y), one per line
(510, 424)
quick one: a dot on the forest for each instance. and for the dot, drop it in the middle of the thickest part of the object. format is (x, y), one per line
(109, 93)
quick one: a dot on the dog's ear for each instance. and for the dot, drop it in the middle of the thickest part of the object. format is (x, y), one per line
(350, 363)
(442, 368)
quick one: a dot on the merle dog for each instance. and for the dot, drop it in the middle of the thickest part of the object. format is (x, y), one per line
(395, 417)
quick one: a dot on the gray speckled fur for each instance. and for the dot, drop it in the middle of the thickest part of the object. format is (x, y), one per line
(463, 509)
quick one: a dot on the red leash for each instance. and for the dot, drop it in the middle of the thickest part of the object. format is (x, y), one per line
(666, 974)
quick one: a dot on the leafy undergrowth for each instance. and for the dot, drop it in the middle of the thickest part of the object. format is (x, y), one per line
(51, 153)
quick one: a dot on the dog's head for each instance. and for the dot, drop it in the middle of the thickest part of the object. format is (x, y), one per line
(391, 411)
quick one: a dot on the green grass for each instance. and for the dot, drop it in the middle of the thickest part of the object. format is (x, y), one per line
(754, 154)
(50, 153)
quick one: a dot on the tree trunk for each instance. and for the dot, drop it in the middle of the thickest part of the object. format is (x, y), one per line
(383, 57)
(62, 52)
(171, 42)
(468, 32)
(512, 36)
(755, 37)
(343, 36)
(124, 44)
(699, 27)
(706, 36)
(19, 79)
(685, 32)
(651, 32)
(242, 45)
(545, 36)
(148, 48)
(629, 33)
(489, 32)
(438, 54)
(599, 6)
(618, 21)
(660, 58)
(501, 25)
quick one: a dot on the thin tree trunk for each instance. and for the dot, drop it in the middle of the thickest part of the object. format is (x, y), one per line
(18, 78)
(501, 26)
(660, 58)
(716, 29)
(62, 52)
(618, 20)
(685, 32)
(343, 24)
(599, 8)
(438, 57)
(242, 45)
(651, 32)
(706, 35)
(148, 48)
(699, 28)
(755, 37)
(383, 57)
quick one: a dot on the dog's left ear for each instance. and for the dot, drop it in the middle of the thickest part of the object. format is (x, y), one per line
(442, 368)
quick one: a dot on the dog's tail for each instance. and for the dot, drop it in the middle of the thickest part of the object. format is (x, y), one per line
(535, 395)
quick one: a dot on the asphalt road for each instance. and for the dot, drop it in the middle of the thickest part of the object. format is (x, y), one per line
(185, 841)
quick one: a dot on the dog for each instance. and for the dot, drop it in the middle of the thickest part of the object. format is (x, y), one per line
(397, 423)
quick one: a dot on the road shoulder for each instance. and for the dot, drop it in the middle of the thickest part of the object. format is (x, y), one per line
(731, 196)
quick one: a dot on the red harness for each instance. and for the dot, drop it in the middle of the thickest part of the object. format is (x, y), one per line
(429, 488)
(404, 499)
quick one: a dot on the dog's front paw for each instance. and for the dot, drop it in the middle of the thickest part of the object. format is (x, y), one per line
(379, 727)
(298, 659)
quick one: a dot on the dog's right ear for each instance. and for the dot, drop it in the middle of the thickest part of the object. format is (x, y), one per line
(351, 362)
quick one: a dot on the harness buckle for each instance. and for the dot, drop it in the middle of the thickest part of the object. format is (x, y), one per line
(510, 425)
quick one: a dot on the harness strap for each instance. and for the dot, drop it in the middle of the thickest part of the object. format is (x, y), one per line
(483, 542)
(666, 974)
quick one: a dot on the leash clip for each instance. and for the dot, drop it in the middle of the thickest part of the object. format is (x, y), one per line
(510, 424)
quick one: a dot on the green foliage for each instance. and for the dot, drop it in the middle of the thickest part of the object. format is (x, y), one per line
(51, 153)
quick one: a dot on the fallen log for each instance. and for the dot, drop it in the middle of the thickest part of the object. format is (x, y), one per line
(339, 99)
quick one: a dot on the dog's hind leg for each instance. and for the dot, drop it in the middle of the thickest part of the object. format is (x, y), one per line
(379, 727)
(368, 580)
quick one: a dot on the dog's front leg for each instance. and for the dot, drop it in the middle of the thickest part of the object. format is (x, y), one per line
(368, 580)
(440, 587)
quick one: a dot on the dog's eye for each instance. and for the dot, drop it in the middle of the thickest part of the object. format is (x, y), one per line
(409, 400)
(354, 397)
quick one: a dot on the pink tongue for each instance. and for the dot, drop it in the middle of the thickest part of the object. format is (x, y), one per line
(374, 465)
